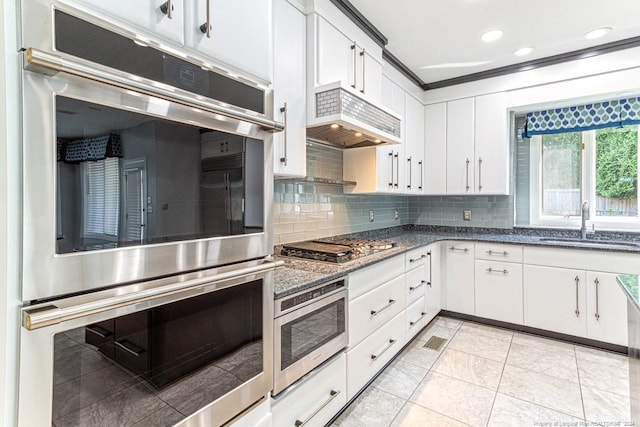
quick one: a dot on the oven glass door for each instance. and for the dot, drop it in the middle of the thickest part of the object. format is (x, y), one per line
(158, 366)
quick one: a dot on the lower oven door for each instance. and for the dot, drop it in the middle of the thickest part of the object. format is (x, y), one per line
(191, 350)
(308, 336)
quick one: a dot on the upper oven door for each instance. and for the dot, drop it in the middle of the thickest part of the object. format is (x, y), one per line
(121, 186)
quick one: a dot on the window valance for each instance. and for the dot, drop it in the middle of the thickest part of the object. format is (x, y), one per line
(89, 149)
(578, 118)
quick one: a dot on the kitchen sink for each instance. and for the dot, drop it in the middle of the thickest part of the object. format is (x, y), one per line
(591, 243)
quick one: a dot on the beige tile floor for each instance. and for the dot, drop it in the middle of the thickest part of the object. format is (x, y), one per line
(486, 376)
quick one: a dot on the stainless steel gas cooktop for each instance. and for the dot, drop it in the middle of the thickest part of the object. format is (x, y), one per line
(336, 250)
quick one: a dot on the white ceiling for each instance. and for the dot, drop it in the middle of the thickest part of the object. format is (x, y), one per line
(431, 32)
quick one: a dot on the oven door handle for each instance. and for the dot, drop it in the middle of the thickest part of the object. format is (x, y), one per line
(49, 64)
(75, 307)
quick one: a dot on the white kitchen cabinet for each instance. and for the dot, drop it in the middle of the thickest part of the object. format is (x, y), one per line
(373, 309)
(460, 146)
(435, 146)
(415, 319)
(433, 292)
(415, 258)
(459, 276)
(372, 354)
(368, 74)
(366, 279)
(149, 15)
(289, 89)
(239, 33)
(498, 252)
(606, 309)
(555, 299)
(491, 144)
(498, 291)
(327, 384)
(416, 282)
(375, 169)
(414, 145)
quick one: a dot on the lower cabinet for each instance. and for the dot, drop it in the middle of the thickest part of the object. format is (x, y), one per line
(415, 319)
(433, 291)
(498, 291)
(367, 358)
(459, 277)
(314, 400)
(606, 309)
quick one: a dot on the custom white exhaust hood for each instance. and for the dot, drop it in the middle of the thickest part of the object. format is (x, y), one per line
(344, 119)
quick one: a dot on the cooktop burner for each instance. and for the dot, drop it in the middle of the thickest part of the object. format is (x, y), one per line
(336, 250)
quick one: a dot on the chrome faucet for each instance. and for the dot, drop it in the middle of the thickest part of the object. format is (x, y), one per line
(585, 217)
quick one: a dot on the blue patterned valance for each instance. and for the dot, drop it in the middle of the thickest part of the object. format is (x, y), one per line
(89, 149)
(597, 115)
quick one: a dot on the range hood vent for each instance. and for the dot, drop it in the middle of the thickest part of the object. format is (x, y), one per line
(345, 120)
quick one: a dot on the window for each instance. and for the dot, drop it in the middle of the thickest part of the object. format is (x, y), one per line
(102, 201)
(599, 166)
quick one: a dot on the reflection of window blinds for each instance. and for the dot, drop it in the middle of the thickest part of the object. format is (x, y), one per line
(103, 197)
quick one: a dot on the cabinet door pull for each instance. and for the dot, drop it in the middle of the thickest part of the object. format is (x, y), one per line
(363, 72)
(376, 312)
(391, 176)
(430, 271)
(453, 248)
(577, 280)
(206, 27)
(597, 315)
(493, 270)
(97, 330)
(376, 356)
(418, 319)
(423, 256)
(421, 175)
(167, 9)
(413, 288)
(355, 76)
(409, 184)
(283, 110)
(397, 157)
(479, 174)
(129, 347)
(332, 395)
(468, 175)
(490, 252)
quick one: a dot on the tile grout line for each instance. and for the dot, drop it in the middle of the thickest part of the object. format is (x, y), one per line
(500, 381)
(584, 412)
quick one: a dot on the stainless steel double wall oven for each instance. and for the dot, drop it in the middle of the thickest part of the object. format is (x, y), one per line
(148, 297)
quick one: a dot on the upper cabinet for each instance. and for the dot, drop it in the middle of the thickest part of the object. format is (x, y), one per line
(474, 135)
(414, 147)
(164, 19)
(234, 32)
(336, 56)
(289, 79)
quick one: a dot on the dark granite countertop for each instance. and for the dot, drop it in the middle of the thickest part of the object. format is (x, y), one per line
(629, 284)
(299, 274)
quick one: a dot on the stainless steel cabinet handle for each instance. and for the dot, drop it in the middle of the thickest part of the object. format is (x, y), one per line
(418, 319)
(479, 174)
(206, 27)
(413, 288)
(376, 312)
(391, 176)
(167, 9)
(283, 110)
(97, 330)
(409, 184)
(453, 248)
(423, 256)
(493, 270)
(577, 280)
(363, 72)
(355, 76)
(490, 252)
(430, 270)
(397, 157)
(129, 347)
(597, 315)
(421, 175)
(376, 356)
(332, 395)
(468, 175)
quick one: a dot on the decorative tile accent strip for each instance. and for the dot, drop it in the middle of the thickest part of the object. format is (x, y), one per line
(339, 101)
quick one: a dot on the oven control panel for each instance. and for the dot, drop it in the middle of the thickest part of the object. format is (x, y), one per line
(304, 297)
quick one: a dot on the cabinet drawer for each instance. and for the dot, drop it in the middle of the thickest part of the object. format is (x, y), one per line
(416, 283)
(416, 258)
(415, 319)
(498, 252)
(498, 291)
(305, 399)
(368, 357)
(366, 279)
(373, 309)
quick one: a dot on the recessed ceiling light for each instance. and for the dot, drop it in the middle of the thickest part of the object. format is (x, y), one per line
(491, 35)
(454, 65)
(358, 134)
(597, 33)
(377, 141)
(335, 126)
(523, 51)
